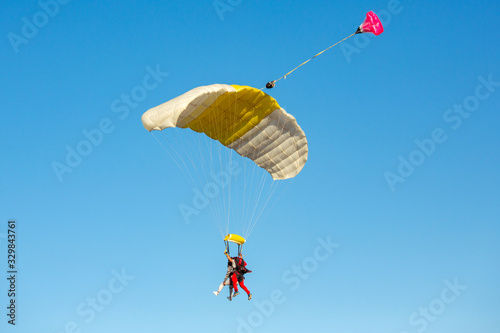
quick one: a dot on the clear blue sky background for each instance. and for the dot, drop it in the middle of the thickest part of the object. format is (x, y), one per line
(362, 107)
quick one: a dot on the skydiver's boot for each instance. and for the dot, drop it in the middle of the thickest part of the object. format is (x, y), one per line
(236, 294)
(249, 296)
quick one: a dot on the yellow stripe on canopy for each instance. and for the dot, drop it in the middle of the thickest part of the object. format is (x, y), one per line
(233, 114)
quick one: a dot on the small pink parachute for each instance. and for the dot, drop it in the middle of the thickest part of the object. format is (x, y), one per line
(371, 24)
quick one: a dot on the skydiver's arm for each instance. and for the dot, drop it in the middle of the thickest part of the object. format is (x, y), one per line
(231, 260)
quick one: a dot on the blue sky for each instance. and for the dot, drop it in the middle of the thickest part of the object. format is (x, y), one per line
(392, 226)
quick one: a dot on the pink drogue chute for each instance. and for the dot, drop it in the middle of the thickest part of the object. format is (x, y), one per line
(371, 24)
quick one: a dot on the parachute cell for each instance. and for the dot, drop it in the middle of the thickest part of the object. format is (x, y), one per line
(241, 118)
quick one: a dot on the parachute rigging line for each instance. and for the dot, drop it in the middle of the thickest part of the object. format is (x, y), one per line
(370, 24)
(271, 84)
(212, 135)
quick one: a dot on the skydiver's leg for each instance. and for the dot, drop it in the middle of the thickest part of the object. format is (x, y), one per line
(242, 285)
(220, 288)
(230, 292)
(234, 279)
(224, 283)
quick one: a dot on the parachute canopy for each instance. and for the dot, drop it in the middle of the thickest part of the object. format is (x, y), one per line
(371, 24)
(235, 239)
(241, 118)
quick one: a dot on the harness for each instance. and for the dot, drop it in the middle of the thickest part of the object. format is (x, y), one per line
(241, 266)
